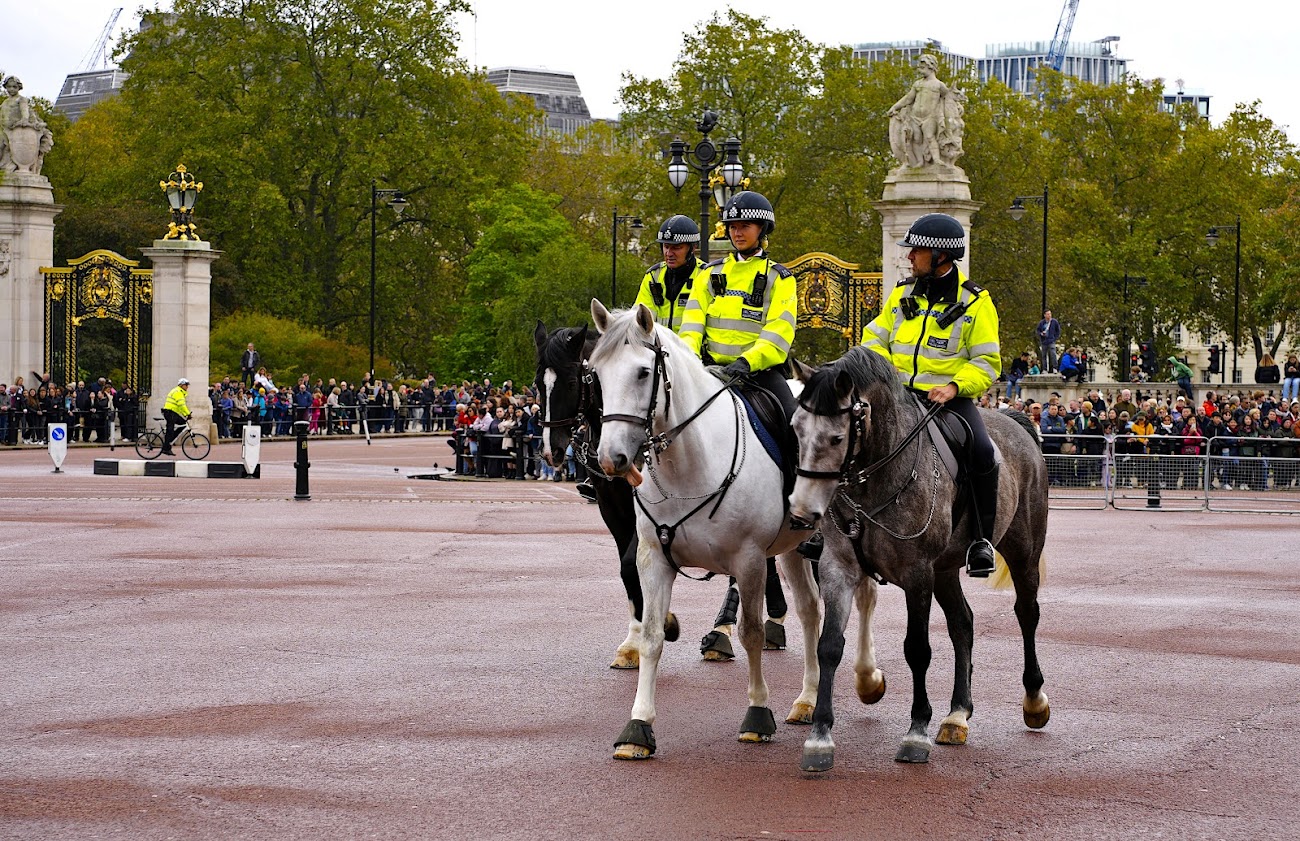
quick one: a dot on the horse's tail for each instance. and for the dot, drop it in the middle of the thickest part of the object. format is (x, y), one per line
(1001, 577)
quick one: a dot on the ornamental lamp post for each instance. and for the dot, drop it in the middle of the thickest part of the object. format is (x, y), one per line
(720, 171)
(398, 203)
(1212, 238)
(1017, 212)
(636, 227)
(182, 192)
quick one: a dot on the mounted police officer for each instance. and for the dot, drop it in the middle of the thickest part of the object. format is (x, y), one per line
(940, 331)
(744, 316)
(667, 286)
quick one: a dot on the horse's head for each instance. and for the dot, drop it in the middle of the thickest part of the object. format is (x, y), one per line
(630, 361)
(830, 423)
(560, 390)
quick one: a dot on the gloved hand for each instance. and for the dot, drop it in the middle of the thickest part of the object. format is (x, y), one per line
(739, 368)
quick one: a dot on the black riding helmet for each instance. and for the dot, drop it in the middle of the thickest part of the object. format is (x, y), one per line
(749, 206)
(677, 229)
(938, 232)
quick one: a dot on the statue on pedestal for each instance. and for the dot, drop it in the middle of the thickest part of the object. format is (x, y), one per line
(926, 125)
(24, 136)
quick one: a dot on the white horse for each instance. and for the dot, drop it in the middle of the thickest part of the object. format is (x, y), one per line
(714, 501)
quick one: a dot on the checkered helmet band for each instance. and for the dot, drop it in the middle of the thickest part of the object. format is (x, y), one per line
(674, 236)
(922, 241)
(678, 229)
(747, 214)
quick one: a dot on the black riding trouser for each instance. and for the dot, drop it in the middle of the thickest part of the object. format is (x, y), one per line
(981, 447)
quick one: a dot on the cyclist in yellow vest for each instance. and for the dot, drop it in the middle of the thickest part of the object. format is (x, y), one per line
(176, 412)
(940, 331)
(744, 316)
(667, 286)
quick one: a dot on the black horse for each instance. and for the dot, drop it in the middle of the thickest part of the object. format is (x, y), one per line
(569, 394)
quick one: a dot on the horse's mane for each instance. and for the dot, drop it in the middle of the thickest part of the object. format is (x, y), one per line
(866, 369)
(623, 329)
(554, 353)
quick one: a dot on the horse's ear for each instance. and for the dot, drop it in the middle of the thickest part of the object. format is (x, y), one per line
(801, 371)
(539, 335)
(843, 385)
(645, 319)
(599, 315)
(579, 338)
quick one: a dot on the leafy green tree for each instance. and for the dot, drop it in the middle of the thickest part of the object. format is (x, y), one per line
(288, 350)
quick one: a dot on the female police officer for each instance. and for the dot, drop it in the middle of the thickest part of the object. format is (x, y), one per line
(940, 331)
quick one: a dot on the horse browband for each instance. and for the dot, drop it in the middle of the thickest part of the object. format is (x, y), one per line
(856, 407)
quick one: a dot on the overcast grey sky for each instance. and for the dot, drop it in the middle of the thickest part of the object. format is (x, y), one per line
(1235, 53)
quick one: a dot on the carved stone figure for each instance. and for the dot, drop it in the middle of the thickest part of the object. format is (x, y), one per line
(6, 256)
(926, 125)
(24, 136)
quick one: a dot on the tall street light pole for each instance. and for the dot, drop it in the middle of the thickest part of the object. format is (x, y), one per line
(704, 157)
(613, 251)
(1017, 212)
(1213, 239)
(398, 204)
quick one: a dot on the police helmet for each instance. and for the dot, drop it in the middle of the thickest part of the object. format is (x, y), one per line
(939, 232)
(749, 206)
(676, 229)
(182, 381)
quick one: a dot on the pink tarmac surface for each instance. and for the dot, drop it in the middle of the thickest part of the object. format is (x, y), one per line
(397, 658)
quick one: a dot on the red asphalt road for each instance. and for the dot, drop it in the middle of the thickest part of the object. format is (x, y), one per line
(411, 659)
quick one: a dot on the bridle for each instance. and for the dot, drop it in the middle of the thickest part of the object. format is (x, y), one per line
(857, 432)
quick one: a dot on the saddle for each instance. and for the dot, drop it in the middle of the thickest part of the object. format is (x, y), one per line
(772, 427)
(950, 438)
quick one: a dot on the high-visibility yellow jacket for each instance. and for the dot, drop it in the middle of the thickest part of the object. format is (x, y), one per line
(752, 316)
(176, 402)
(670, 312)
(966, 352)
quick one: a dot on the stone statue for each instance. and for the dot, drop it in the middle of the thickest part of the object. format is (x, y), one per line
(24, 136)
(6, 257)
(926, 125)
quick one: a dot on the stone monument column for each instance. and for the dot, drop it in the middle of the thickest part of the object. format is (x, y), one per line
(182, 315)
(925, 133)
(27, 212)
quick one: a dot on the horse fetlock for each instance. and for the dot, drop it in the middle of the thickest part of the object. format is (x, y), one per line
(870, 686)
(1037, 711)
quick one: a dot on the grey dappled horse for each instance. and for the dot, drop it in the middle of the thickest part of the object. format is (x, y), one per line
(711, 499)
(885, 505)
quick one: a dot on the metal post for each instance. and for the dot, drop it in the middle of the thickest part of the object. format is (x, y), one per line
(374, 210)
(1122, 371)
(1236, 304)
(301, 464)
(705, 195)
(1044, 308)
(613, 260)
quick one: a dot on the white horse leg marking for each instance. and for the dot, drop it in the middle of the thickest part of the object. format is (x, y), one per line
(628, 654)
(870, 682)
(752, 581)
(803, 589)
(657, 590)
(548, 380)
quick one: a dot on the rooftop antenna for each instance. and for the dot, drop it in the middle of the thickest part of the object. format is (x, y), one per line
(97, 57)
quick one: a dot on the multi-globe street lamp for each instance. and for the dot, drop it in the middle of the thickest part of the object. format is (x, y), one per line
(398, 204)
(705, 157)
(637, 227)
(1213, 239)
(1017, 212)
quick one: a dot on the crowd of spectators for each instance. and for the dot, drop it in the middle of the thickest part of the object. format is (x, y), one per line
(86, 407)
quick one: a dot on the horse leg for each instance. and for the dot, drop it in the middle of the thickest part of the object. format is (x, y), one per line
(1024, 574)
(716, 644)
(758, 725)
(637, 739)
(774, 627)
(798, 572)
(961, 630)
(916, 648)
(837, 593)
(628, 655)
(870, 682)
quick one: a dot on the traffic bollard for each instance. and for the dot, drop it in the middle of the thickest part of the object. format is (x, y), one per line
(301, 464)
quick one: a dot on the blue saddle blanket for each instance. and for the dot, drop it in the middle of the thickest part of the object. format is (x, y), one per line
(766, 438)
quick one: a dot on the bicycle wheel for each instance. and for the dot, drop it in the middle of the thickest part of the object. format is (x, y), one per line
(196, 446)
(149, 444)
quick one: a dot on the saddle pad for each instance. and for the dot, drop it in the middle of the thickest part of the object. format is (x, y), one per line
(768, 441)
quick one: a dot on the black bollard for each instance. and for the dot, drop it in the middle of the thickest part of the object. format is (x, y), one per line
(301, 464)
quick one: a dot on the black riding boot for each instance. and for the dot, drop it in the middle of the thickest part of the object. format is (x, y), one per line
(979, 556)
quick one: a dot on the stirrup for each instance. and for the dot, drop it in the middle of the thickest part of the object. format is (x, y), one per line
(586, 490)
(980, 559)
(812, 547)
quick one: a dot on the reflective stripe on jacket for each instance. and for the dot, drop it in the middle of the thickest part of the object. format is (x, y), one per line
(673, 308)
(737, 323)
(926, 355)
(176, 402)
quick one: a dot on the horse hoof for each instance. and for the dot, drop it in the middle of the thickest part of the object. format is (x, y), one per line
(753, 738)
(631, 752)
(672, 630)
(716, 646)
(773, 636)
(1037, 713)
(626, 660)
(871, 688)
(800, 713)
(952, 733)
(758, 726)
(913, 752)
(818, 759)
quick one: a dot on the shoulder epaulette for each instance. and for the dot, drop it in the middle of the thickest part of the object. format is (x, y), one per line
(781, 270)
(656, 267)
(717, 262)
(972, 288)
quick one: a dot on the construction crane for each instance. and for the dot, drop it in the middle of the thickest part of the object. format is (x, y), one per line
(97, 57)
(1056, 54)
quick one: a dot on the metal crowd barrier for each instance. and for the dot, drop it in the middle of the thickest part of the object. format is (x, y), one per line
(1173, 473)
(511, 455)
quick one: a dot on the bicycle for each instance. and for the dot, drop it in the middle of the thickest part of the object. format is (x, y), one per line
(195, 445)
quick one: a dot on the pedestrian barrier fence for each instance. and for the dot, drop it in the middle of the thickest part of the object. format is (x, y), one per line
(1173, 472)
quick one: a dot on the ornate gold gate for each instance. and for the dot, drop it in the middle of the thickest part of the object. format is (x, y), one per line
(835, 294)
(101, 284)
